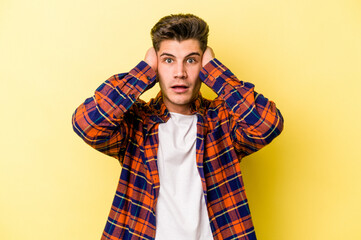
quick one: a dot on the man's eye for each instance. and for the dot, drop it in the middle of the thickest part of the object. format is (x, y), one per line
(168, 60)
(191, 60)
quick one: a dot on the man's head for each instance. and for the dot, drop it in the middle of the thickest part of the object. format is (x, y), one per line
(180, 27)
(179, 42)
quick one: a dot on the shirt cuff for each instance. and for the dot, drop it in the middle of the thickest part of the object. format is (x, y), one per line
(145, 73)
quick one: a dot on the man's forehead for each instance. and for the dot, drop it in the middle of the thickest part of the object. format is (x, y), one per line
(175, 47)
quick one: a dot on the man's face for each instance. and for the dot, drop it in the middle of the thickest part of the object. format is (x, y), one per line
(179, 64)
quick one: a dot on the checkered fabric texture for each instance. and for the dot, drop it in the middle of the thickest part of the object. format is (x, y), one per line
(235, 124)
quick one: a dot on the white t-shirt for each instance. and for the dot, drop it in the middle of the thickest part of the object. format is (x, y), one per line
(181, 212)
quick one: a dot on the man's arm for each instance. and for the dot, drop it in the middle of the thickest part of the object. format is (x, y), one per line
(254, 120)
(99, 121)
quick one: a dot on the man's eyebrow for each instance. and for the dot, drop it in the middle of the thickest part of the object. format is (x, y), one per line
(171, 55)
(194, 53)
(167, 54)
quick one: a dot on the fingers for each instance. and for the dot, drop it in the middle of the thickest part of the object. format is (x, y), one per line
(208, 55)
(151, 58)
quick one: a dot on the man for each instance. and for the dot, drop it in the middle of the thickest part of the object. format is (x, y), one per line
(180, 153)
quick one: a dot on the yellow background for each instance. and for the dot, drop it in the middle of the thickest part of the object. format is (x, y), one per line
(304, 55)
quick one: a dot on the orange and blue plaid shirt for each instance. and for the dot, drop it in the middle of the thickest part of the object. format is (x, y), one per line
(235, 124)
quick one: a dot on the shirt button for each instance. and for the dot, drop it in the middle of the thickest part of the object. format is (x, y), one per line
(206, 75)
(148, 78)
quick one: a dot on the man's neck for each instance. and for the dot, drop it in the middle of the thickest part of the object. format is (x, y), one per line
(183, 109)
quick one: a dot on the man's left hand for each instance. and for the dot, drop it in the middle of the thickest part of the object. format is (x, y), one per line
(208, 55)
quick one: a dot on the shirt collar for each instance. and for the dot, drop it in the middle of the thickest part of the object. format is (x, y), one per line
(161, 111)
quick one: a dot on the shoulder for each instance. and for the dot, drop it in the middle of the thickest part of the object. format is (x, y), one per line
(140, 108)
(216, 111)
(213, 105)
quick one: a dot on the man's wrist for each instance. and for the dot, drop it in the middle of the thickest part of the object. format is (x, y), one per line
(144, 72)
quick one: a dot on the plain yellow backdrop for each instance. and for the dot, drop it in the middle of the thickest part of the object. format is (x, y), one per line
(304, 55)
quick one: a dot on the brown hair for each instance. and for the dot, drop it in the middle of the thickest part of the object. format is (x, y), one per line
(180, 27)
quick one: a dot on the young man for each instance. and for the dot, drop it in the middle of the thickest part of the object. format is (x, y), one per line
(180, 153)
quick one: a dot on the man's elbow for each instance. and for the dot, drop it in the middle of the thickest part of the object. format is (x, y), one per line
(275, 129)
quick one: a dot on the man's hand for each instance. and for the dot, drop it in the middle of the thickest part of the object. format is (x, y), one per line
(151, 58)
(208, 55)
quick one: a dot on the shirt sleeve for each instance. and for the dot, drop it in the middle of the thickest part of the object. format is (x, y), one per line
(254, 120)
(100, 122)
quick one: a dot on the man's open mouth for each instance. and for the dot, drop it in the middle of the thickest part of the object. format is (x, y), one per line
(180, 88)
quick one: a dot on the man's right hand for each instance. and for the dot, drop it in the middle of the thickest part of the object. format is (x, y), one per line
(151, 58)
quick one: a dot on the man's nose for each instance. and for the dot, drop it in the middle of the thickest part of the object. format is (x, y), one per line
(180, 71)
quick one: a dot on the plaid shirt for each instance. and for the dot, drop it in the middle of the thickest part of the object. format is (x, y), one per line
(238, 122)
